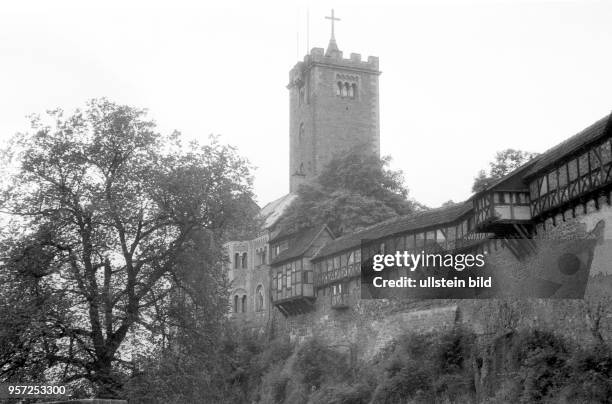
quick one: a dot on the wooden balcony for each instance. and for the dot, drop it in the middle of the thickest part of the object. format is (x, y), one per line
(503, 213)
(348, 271)
(298, 299)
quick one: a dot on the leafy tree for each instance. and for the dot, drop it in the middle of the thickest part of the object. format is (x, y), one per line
(353, 191)
(118, 231)
(505, 161)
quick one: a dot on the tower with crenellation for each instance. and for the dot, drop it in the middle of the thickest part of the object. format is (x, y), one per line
(334, 107)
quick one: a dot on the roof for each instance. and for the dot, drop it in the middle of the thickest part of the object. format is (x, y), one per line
(275, 209)
(421, 220)
(300, 244)
(573, 144)
(510, 181)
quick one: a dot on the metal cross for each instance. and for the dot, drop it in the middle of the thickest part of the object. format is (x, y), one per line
(332, 18)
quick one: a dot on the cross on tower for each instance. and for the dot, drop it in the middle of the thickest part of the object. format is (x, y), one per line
(332, 18)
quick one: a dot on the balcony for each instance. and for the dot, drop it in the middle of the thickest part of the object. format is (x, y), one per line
(324, 278)
(503, 213)
(298, 299)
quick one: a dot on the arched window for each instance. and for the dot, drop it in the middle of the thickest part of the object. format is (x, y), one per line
(244, 261)
(351, 94)
(339, 89)
(244, 303)
(235, 303)
(301, 132)
(345, 88)
(259, 298)
(354, 90)
(236, 261)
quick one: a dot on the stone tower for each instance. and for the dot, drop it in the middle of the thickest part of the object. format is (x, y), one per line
(333, 108)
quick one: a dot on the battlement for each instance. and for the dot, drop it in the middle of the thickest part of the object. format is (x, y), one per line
(317, 57)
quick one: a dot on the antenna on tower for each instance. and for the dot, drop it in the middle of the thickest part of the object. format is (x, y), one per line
(297, 47)
(307, 30)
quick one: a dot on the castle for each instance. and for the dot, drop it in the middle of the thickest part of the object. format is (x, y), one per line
(308, 283)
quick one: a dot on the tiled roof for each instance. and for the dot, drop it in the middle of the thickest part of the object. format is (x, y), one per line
(274, 210)
(299, 245)
(571, 145)
(422, 220)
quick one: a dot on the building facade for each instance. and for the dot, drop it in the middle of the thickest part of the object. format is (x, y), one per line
(308, 283)
(333, 107)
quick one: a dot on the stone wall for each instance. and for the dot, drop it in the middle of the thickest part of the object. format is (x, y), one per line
(367, 325)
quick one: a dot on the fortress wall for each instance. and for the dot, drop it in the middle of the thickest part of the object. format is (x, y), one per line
(368, 325)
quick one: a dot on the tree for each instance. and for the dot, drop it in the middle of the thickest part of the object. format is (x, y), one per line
(505, 161)
(121, 230)
(353, 191)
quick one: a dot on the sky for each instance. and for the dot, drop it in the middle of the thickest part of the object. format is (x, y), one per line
(460, 79)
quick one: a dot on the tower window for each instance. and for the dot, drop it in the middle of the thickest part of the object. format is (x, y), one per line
(301, 131)
(244, 303)
(301, 96)
(346, 89)
(244, 260)
(236, 261)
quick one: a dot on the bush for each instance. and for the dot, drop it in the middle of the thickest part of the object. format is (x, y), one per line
(318, 363)
(591, 376)
(541, 358)
(425, 368)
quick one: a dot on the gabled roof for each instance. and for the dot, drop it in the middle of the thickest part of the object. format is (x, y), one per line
(408, 223)
(594, 132)
(274, 210)
(300, 244)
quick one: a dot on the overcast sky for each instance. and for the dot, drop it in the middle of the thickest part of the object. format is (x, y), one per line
(460, 80)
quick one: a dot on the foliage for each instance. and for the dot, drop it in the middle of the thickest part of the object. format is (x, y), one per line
(120, 231)
(427, 367)
(505, 162)
(541, 358)
(318, 363)
(353, 191)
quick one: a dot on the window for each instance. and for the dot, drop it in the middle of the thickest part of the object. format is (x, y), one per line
(236, 261)
(259, 298)
(288, 278)
(279, 282)
(301, 131)
(235, 303)
(244, 301)
(346, 89)
(244, 260)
